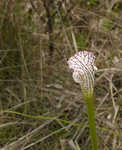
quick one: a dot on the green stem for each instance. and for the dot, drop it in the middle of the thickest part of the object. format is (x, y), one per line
(89, 101)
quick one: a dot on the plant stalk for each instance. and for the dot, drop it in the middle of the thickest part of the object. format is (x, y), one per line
(89, 101)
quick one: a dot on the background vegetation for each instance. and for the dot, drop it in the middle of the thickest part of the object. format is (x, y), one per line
(44, 107)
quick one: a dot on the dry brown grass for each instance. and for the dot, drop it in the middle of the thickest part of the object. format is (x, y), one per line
(35, 78)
